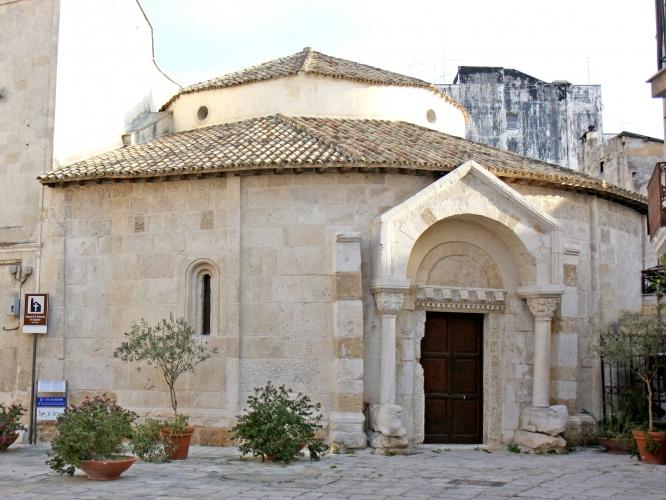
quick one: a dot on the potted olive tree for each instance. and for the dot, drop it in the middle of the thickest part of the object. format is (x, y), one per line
(90, 437)
(174, 348)
(640, 341)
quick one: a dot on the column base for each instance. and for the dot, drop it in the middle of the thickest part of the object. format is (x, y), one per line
(387, 419)
(551, 420)
(347, 430)
(387, 444)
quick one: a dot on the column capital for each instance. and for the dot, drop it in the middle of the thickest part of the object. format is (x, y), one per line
(389, 296)
(542, 302)
(542, 308)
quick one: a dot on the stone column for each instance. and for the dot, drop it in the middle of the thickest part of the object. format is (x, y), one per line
(541, 423)
(347, 420)
(542, 308)
(385, 417)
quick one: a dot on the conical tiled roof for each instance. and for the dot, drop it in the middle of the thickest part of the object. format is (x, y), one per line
(311, 62)
(280, 143)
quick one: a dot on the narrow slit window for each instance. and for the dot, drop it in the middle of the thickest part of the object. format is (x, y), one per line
(205, 305)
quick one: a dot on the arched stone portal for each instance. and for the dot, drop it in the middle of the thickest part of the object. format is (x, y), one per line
(468, 243)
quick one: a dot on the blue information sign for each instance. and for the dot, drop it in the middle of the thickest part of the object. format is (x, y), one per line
(52, 401)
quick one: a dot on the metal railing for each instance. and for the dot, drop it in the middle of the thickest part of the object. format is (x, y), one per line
(657, 199)
(620, 383)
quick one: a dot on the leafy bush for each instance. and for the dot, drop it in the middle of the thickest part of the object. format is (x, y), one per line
(93, 430)
(278, 425)
(171, 345)
(177, 425)
(10, 423)
(147, 442)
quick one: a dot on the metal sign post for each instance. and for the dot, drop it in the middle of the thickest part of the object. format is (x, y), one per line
(35, 320)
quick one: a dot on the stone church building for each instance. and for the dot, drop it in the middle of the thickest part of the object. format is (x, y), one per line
(324, 225)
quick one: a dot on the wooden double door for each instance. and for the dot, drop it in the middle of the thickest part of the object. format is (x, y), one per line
(452, 360)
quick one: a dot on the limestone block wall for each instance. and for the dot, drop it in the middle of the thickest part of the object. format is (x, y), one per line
(289, 281)
(28, 37)
(605, 248)
(116, 253)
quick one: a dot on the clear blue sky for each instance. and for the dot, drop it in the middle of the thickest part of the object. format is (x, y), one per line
(607, 42)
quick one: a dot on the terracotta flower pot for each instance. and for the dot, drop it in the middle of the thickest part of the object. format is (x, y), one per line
(617, 445)
(658, 457)
(7, 441)
(106, 470)
(179, 443)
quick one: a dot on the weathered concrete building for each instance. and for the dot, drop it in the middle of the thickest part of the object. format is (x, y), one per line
(355, 247)
(625, 159)
(517, 112)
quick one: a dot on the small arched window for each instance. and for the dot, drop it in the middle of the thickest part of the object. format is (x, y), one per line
(203, 297)
(205, 305)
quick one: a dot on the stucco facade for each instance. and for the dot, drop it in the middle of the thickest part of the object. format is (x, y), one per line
(625, 159)
(515, 111)
(334, 218)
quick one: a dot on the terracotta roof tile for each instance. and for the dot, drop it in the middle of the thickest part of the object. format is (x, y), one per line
(311, 62)
(278, 142)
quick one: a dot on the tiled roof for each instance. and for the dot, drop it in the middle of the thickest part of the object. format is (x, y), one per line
(279, 142)
(311, 62)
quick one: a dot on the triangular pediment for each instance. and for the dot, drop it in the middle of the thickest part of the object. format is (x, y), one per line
(447, 189)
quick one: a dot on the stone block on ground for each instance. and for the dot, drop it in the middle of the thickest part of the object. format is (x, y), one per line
(384, 444)
(581, 430)
(551, 420)
(537, 442)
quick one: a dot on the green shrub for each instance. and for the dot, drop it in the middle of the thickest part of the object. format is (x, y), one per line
(93, 430)
(147, 442)
(279, 424)
(10, 424)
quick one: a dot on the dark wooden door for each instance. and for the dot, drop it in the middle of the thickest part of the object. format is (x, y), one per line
(452, 360)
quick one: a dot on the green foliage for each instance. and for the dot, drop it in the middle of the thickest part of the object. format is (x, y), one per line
(279, 424)
(641, 340)
(147, 442)
(177, 424)
(93, 430)
(631, 414)
(513, 448)
(10, 423)
(171, 345)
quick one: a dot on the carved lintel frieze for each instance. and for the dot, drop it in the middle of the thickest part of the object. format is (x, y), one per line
(456, 299)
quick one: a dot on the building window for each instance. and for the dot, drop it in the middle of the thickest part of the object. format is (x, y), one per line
(512, 121)
(203, 297)
(205, 305)
(202, 113)
(601, 167)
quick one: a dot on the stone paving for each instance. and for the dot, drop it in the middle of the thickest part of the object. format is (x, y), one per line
(431, 472)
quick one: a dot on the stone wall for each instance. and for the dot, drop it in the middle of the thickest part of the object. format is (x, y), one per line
(28, 37)
(116, 253)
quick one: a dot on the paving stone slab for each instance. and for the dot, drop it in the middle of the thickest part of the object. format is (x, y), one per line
(220, 473)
